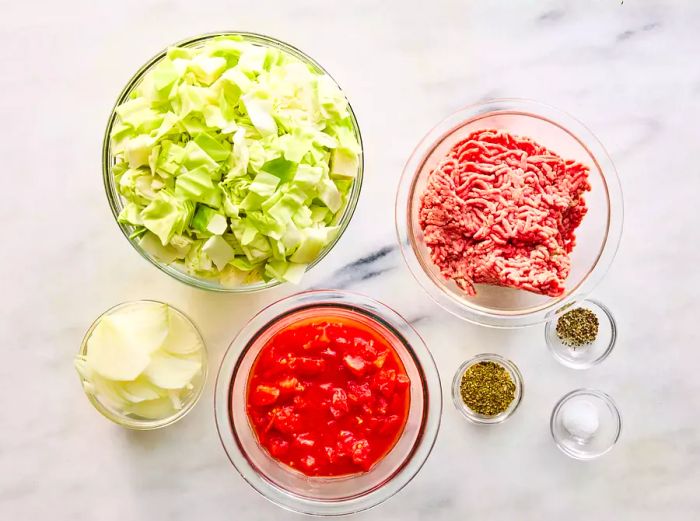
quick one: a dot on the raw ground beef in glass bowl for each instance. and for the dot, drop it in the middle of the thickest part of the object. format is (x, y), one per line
(471, 289)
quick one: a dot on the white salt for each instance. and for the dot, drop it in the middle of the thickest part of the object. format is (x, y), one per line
(580, 418)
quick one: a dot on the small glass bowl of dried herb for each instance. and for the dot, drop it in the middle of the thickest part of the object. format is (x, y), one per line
(583, 336)
(487, 389)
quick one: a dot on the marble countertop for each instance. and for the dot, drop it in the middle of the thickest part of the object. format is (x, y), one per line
(629, 70)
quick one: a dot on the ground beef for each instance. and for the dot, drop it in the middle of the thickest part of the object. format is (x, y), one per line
(501, 209)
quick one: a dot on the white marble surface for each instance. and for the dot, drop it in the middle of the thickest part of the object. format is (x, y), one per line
(630, 71)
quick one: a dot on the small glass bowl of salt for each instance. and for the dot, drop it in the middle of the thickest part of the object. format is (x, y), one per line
(585, 424)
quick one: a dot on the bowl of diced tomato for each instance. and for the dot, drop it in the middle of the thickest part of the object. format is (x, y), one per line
(328, 402)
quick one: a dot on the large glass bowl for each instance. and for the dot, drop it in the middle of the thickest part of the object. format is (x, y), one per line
(597, 237)
(116, 202)
(327, 495)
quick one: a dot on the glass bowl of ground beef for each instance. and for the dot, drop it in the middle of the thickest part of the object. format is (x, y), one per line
(509, 211)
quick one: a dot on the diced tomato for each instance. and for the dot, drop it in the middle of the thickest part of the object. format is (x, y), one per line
(345, 438)
(306, 365)
(323, 337)
(355, 364)
(365, 349)
(277, 446)
(360, 454)
(305, 440)
(333, 454)
(385, 381)
(397, 403)
(390, 423)
(329, 353)
(341, 344)
(372, 423)
(290, 385)
(315, 344)
(265, 395)
(402, 381)
(339, 403)
(286, 420)
(328, 397)
(300, 403)
(308, 462)
(381, 358)
(359, 393)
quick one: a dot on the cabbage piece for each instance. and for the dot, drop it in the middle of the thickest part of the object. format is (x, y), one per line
(164, 75)
(138, 114)
(196, 157)
(196, 185)
(167, 215)
(170, 158)
(345, 137)
(169, 125)
(218, 150)
(319, 214)
(294, 272)
(207, 68)
(296, 145)
(308, 177)
(232, 277)
(265, 224)
(259, 111)
(264, 184)
(219, 251)
(288, 205)
(190, 99)
(138, 149)
(258, 249)
(131, 214)
(281, 168)
(198, 261)
(252, 59)
(344, 164)
(329, 194)
(207, 220)
(237, 78)
(312, 242)
(152, 244)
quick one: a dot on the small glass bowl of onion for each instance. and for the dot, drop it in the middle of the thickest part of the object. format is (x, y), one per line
(142, 364)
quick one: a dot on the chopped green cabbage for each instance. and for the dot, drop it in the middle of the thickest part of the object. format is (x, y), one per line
(235, 162)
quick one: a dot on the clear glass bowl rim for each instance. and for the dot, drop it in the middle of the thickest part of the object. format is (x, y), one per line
(114, 198)
(583, 392)
(146, 425)
(480, 418)
(431, 418)
(556, 117)
(587, 365)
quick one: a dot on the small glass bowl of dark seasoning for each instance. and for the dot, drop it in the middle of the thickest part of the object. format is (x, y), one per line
(487, 389)
(583, 336)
